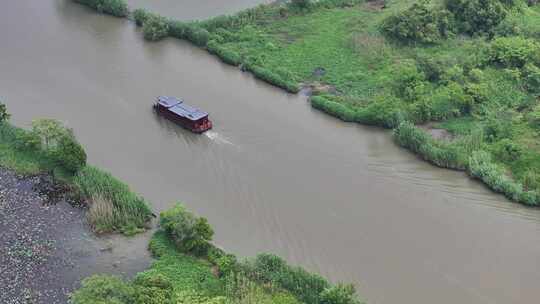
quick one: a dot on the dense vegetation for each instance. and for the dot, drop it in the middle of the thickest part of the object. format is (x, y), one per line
(469, 67)
(190, 270)
(116, 8)
(51, 147)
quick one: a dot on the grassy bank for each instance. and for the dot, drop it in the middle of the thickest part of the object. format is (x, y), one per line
(113, 207)
(471, 68)
(189, 269)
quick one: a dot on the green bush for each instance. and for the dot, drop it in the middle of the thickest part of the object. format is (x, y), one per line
(155, 28)
(272, 78)
(228, 56)
(302, 4)
(192, 32)
(497, 128)
(408, 81)
(197, 35)
(178, 29)
(476, 16)
(385, 111)
(227, 264)
(534, 118)
(141, 15)
(450, 101)
(507, 150)
(116, 8)
(531, 74)
(26, 141)
(269, 268)
(419, 23)
(190, 234)
(70, 154)
(333, 108)
(514, 51)
(339, 294)
(152, 288)
(103, 289)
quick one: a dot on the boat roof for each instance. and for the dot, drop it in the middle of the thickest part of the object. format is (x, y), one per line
(168, 101)
(188, 112)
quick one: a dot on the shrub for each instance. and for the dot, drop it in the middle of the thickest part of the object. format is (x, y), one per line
(227, 264)
(419, 23)
(116, 8)
(70, 154)
(103, 289)
(140, 16)
(197, 35)
(514, 51)
(155, 28)
(385, 111)
(531, 180)
(497, 128)
(333, 108)
(450, 101)
(273, 78)
(192, 32)
(408, 81)
(269, 268)
(4, 115)
(228, 56)
(50, 131)
(531, 74)
(302, 4)
(476, 16)
(27, 141)
(508, 151)
(190, 234)
(339, 294)
(534, 118)
(178, 29)
(152, 288)
(214, 254)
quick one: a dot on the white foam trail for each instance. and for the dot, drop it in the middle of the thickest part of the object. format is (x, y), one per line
(217, 137)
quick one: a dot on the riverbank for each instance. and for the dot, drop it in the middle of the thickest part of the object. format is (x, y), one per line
(40, 257)
(190, 269)
(113, 207)
(361, 72)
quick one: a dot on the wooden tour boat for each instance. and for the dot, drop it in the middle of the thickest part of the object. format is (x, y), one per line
(187, 116)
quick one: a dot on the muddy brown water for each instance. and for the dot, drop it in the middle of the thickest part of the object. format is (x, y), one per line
(274, 175)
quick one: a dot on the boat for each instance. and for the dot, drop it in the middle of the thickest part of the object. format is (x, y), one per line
(185, 115)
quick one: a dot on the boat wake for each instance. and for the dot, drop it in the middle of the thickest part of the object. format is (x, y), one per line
(218, 137)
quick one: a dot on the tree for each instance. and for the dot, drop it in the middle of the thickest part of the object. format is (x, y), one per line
(189, 233)
(50, 131)
(419, 23)
(339, 294)
(155, 28)
(4, 115)
(70, 154)
(477, 16)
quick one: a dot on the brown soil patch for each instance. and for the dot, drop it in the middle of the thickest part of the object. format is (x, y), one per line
(436, 133)
(375, 5)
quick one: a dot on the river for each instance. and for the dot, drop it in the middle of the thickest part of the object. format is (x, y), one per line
(273, 175)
